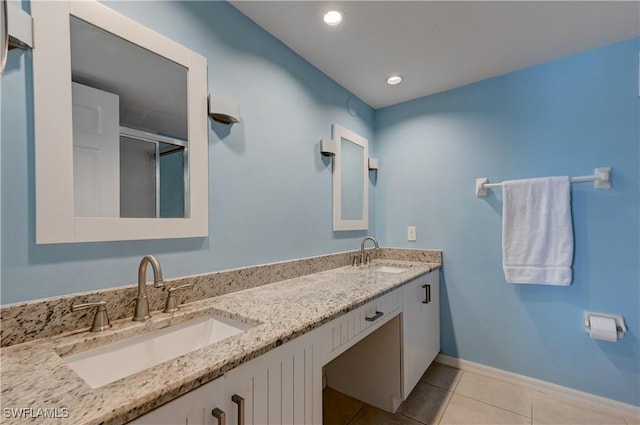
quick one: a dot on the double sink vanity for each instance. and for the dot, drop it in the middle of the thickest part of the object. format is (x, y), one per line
(253, 356)
(253, 345)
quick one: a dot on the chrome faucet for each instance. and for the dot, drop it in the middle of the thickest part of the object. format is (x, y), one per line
(141, 312)
(364, 258)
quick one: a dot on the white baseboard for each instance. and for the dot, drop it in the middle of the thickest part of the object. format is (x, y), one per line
(597, 402)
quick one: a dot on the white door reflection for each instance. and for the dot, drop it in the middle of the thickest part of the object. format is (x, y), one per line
(96, 161)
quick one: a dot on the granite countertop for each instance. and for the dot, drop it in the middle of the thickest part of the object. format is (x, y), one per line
(34, 376)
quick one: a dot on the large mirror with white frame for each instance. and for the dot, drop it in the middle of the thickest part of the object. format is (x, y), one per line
(120, 128)
(350, 183)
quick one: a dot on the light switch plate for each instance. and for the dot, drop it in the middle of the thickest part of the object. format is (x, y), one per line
(411, 233)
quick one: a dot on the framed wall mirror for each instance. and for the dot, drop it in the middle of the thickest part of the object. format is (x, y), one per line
(120, 128)
(350, 183)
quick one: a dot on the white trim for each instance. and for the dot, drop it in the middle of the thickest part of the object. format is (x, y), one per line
(340, 224)
(597, 402)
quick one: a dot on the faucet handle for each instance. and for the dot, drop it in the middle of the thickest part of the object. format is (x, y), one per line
(100, 320)
(356, 259)
(172, 304)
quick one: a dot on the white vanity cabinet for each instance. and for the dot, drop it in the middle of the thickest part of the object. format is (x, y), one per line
(281, 386)
(420, 327)
(193, 408)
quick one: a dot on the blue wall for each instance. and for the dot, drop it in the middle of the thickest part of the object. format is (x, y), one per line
(565, 117)
(270, 189)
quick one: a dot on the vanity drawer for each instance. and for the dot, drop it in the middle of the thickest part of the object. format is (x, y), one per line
(380, 310)
(353, 326)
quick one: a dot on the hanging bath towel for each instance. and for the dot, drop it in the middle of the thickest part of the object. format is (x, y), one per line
(537, 234)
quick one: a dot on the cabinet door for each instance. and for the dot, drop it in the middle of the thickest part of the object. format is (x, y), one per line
(433, 317)
(280, 387)
(193, 408)
(421, 328)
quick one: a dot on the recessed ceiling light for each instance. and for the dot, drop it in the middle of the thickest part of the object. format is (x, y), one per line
(333, 17)
(394, 79)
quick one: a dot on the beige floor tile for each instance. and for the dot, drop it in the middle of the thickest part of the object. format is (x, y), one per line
(554, 411)
(445, 377)
(497, 393)
(426, 403)
(464, 410)
(370, 415)
(338, 408)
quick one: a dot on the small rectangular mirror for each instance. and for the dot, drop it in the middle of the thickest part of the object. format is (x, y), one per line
(350, 183)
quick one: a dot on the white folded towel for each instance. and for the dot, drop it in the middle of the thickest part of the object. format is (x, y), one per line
(537, 234)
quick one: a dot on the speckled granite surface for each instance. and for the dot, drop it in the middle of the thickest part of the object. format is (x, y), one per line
(409, 254)
(34, 376)
(28, 321)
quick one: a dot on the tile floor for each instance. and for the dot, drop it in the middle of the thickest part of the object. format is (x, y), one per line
(446, 395)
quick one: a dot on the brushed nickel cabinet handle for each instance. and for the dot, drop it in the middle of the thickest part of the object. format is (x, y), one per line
(220, 416)
(240, 402)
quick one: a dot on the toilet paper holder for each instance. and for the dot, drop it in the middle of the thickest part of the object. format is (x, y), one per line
(621, 328)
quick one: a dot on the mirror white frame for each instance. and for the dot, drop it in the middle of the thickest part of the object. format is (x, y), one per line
(55, 220)
(339, 223)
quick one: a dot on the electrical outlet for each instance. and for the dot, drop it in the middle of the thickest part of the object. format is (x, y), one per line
(411, 233)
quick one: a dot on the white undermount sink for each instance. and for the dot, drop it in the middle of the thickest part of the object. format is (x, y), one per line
(108, 363)
(390, 269)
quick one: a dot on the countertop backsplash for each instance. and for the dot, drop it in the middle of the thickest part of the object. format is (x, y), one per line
(23, 322)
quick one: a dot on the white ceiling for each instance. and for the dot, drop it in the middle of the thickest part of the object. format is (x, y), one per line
(438, 45)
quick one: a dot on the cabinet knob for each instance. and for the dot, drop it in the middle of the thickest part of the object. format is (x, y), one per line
(220, 416)
(240, 402)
